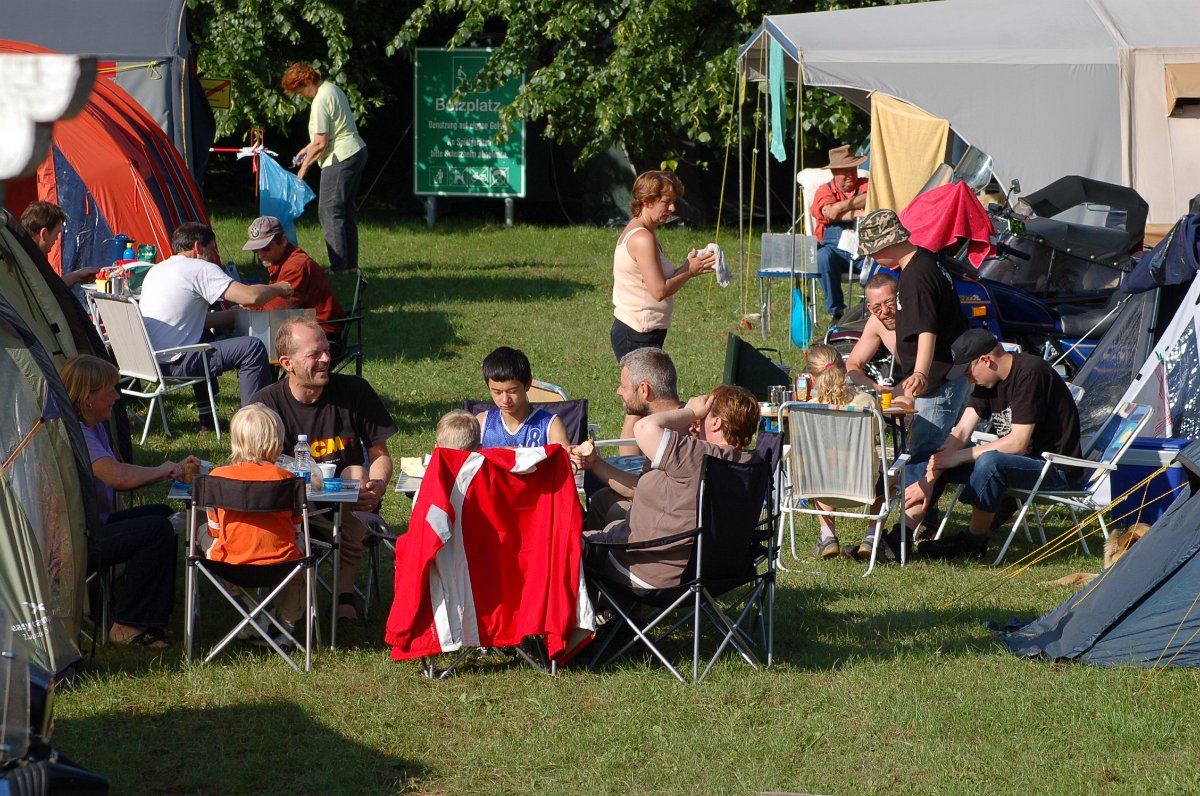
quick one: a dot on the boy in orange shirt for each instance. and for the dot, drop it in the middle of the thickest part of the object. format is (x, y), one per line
(256, 440)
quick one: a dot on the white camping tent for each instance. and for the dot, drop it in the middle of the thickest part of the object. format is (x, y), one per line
(1106, 89)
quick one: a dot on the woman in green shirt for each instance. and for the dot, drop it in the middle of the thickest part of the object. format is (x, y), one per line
(334, 145)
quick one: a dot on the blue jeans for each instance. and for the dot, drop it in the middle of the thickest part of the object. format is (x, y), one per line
(832, 264)
(336, 209)
(247, 354)
(937, 412)
(992, 474)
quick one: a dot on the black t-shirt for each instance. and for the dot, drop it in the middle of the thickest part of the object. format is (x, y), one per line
(347, 419)
(926, 301)
(1032, 394)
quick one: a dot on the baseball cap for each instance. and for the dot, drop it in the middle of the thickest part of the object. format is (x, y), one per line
(970, 346)
(262, 231)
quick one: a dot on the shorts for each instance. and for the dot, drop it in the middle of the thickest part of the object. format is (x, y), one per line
(625, 339)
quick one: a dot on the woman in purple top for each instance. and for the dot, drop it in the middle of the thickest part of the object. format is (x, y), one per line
(141, 537)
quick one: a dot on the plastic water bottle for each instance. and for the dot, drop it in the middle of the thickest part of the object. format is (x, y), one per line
(303, 456)
(129, 253)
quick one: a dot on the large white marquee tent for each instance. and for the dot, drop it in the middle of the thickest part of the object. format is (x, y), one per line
(1108, 89)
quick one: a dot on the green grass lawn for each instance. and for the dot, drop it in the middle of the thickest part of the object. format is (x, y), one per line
(888, 684)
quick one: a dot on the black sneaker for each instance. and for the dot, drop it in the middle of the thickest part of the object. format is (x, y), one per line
(1007, 509)
(961, 545)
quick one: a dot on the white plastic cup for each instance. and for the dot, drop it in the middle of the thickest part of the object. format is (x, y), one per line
(328, 470)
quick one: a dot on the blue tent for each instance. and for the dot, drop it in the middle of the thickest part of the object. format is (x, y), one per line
(1143, 611)
(1174, 261)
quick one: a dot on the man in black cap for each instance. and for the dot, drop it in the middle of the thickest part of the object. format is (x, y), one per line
(1031, 412)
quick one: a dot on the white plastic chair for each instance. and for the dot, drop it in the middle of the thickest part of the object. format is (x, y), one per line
(835, 458)
(1090, 493)
(138, 360)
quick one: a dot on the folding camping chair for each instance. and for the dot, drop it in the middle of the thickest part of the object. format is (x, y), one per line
(1088, 488)
(346, 344)
(260, 497)
(543, 392)
(503, 574)
(733, 554)
(137, 359)
(836, 458)
(750, 367)
(380, 538)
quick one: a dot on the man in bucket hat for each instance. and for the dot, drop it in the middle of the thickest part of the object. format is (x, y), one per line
(929, 319)
(1031, 412)
(834, 207)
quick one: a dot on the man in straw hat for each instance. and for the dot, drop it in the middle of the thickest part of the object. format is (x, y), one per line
(834, 207)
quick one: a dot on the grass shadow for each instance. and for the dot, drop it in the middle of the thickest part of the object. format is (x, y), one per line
(422, 284)
(819, 637)
(255, 747)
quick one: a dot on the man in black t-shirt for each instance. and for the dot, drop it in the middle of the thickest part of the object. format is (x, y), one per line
(1031, 412)
(346, 423)
(928, 319)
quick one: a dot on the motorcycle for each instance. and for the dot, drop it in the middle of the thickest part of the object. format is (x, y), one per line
(1051, 289)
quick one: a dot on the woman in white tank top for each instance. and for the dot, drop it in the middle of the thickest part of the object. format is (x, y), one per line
(644, 280)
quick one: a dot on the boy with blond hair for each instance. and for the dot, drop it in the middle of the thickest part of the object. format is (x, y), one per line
(458, 429)
(241, 537)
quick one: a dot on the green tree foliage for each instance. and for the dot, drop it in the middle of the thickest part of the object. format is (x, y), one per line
(252, 42)
(654, 76)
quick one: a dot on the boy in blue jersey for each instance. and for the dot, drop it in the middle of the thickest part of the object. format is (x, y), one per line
(515, 423)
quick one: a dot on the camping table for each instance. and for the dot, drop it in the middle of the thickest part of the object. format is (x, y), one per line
(348, 494)
(896, 414)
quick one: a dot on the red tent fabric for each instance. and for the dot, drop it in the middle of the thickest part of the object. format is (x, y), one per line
(113, 171)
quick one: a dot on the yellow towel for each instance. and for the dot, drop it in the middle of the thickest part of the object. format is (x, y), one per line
(907, 145)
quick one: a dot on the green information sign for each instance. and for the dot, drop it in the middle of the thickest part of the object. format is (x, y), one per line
(454, 147)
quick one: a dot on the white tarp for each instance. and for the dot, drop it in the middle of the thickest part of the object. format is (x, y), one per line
(1046, 87)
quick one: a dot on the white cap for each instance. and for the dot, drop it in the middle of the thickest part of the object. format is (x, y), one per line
(301, 438)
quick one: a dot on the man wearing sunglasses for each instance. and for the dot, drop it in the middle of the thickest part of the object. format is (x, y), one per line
(880, 330)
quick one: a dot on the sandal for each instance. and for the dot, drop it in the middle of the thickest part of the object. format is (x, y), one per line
(149, 639)
(346, 598)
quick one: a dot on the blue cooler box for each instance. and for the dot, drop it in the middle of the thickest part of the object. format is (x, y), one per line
(1145, 456)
